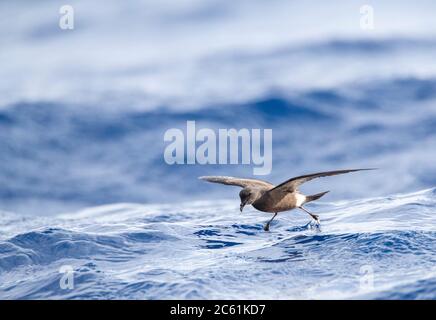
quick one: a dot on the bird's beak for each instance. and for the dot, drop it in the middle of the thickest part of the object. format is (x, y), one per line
(241, 207)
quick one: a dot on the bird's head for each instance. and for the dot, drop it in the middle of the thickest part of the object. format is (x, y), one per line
(248, 196)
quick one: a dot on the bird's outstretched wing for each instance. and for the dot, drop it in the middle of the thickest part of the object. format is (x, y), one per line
(237, 181)
(293, 183)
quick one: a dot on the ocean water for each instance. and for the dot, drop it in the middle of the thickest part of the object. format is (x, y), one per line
(83, 181)
(380, 248)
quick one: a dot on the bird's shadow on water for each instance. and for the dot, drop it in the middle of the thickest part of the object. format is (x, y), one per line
(246, 229)
(283, 245)
(218, 237)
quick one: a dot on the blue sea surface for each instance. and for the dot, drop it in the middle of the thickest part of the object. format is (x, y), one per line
(375, 248)
(84, 184)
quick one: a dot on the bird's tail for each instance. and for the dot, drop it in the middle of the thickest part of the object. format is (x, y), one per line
(315, 196)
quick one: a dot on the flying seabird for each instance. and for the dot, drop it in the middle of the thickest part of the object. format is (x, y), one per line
(266, 197)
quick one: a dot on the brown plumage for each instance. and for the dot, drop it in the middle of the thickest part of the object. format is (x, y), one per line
(266, 197)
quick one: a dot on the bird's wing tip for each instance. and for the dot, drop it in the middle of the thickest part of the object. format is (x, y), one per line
(361, 169)
(210, 178)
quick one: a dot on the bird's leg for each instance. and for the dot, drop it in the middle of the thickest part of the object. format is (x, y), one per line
(266, 228)
(314, 216)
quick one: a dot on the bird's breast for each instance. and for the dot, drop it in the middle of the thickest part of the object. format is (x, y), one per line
(276, 202)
